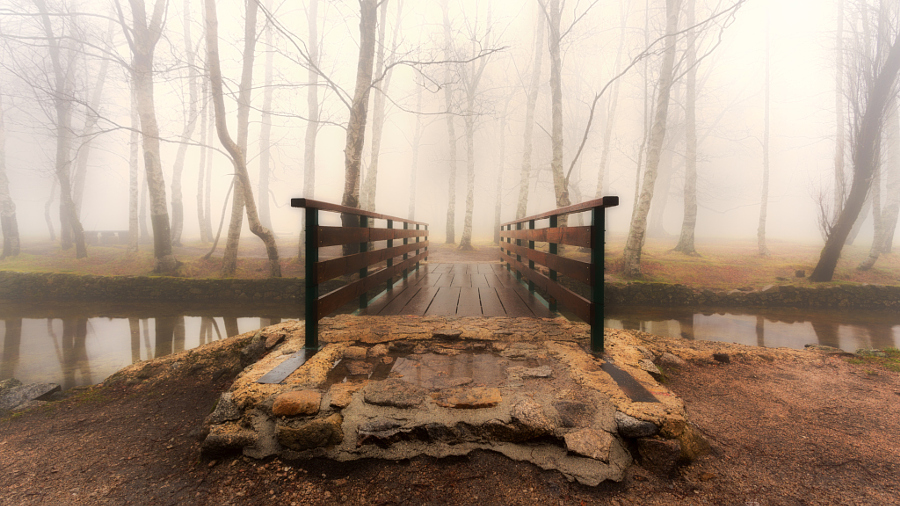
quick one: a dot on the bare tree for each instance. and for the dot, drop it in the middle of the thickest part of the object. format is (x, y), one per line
(451, 128)
(8, 223)
(235, 150)
(265, 130)
(416, 144)
(764, 195)
(886, 220)
(638, 229)
(875, 88)
(62, 103)
(689, 222)
(190, 123)
(530, 105)
(134, 149)
(229, 260)
(142, 35)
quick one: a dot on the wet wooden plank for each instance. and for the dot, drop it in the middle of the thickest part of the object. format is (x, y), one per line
(446, 279)
(480, 280)
(445, 302)
(469, 302)
(419, 304)
(462, 280)
(533, 303)
(512, 303)
(490, 302)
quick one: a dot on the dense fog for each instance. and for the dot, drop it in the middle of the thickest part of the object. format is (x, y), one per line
(599, 41)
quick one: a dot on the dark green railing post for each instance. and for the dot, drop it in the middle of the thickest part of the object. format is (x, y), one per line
(518, 257)
(417, 249)
(312, 288)
(363, 247)
(530, 261)
(390, 261)
(554, 248)
(405, 255)
(598, 242)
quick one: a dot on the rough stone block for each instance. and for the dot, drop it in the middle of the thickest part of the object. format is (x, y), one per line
(468, 398)
(298, 402)
(17, 395)
(590, 443)
(534, 418)
(313, 434)
(394, 392)
(355, 352)
(631, 427)
(226, 410)
(660, 456)
(669, 360)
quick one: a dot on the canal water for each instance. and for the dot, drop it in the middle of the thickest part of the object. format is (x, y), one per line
(77, 344)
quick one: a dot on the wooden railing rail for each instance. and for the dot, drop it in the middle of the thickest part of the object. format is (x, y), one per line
(399, 259)
(517, 245)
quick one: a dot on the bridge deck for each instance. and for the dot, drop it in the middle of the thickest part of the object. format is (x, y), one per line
(484, 289)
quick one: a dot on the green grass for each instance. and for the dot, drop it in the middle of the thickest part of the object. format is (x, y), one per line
(890, 362)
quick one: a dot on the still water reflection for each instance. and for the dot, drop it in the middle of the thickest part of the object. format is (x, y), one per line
(846, 330)
(82, 344)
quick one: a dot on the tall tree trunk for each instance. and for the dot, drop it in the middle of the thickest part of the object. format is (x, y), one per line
(501, 164)
(560, 185)
(47, 206)
(890, 166)
(143, 42)
(764, 194)
(356, 126)
(134, 149)
(238, 202)
(371, 181)
(207, 192)
(8, 223)
(70, 225)
(637, 232)
(451, 129)
(530, 105)
(187, 132)
(648, 113)
(610, 122)
(312, 106)
(87, 133)
(202, 218)
(417, 141)
(864, 161)
(839, 138)
(265, 131)
(235, 150)
(689, 222)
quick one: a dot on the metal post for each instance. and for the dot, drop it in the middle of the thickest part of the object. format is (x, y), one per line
(417, 249)
(518, 257)
(363, 248)
(598, 242)
(405, 255)
(554, 249)
(530, 261)
(390, 260)
(312, 288)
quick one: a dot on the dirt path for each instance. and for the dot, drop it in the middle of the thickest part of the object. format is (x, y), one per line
(818, 431)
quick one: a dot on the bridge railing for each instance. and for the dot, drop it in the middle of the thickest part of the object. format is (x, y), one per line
(357, 258)
(518, 251)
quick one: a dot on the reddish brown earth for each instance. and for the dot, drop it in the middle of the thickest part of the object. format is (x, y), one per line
(789, 431)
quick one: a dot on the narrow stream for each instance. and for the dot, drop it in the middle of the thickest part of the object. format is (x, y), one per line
(773, 328)
(77, 344)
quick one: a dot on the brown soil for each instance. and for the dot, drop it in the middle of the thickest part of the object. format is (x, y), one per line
(787, 430)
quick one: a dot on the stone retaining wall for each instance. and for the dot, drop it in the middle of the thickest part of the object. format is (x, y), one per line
(823, 297)
(59, 286)
(56, 286)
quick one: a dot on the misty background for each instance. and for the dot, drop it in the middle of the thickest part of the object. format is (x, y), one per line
(730, 112)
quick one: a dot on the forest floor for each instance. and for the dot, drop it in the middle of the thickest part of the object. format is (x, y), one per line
(813, 429)
(721, 264)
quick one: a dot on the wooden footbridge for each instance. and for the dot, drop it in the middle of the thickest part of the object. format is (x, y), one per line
(529, 280)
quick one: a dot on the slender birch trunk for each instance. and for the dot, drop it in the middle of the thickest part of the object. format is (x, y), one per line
(689, 222)
(239, 201)
(356, 125)
(265, 131)
(236, 150)
(312, 106)
(839, 137)
(637, 232)
(764, 196)
(560, 185)
(890, 166)
(451, 129)
(202, 218)
(530, 105)
(417, 141)
(8, 222)
(187, 131)
(134, 149)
